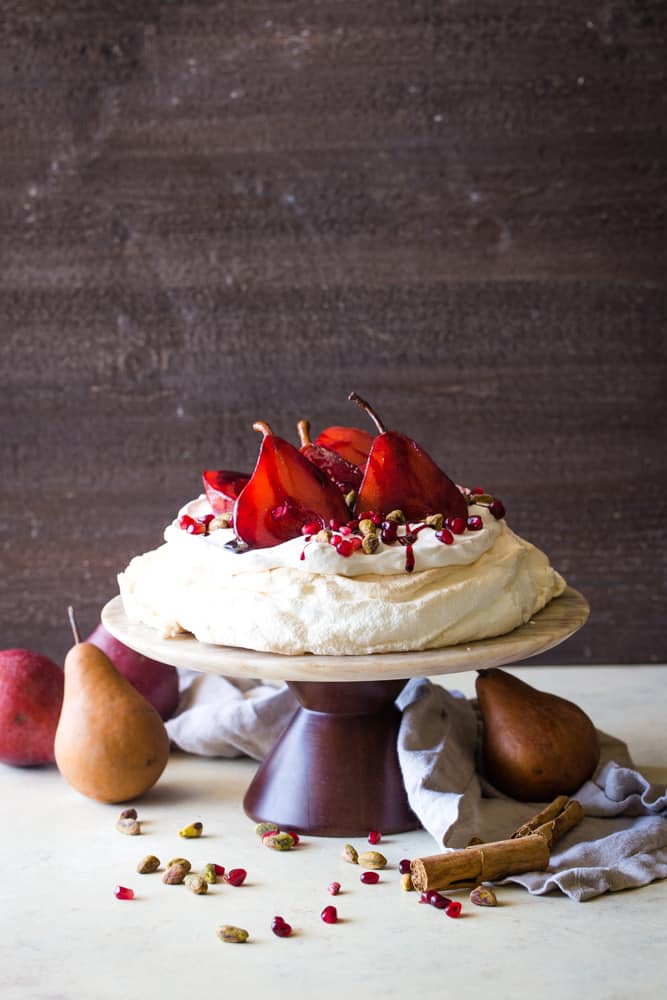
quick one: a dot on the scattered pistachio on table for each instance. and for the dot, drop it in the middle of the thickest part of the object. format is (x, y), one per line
(128, 825)
(180, 861)
(231, 934)
(191, 830)
(265, 827)
(406, 882)
(350, 854)
(196, 883)
(372, 859)
(148, 864)
(482, 895)
(175, 874)
(209, 873)
(278, 841)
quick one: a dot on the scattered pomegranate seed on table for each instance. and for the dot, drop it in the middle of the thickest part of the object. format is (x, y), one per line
(295, 837)
(439, 901)
(374, 837)
(122, 892)
(236, 876)
(333, 888)
(219, 870)
(329, 915)
(454, 909)
(280, 927)
(369, 878)
(404, 866)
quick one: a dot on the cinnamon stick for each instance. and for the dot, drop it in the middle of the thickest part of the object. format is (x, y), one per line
(482, 863)
(559, 825)
(548, 813)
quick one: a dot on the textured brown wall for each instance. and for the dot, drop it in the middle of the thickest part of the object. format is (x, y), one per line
(216, 212)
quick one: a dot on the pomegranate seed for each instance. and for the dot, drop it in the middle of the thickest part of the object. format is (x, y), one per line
(344, 548)
(345, 530)
(497, 508)
(454, 909)
(333, 888)
(122, 892)
(367, 515)
(206, 520)
(457, 525)
(374, 837)
(236, 876)
(477, 490)
(353, 524)
(356, 542)
(389, 532)
(404, 866)
(445, 536)
(475, 523)
(219, 870)
(311, 528)
(192, 527)
(369, 878)
(427, 896)
(376, 519)
(329, 915)
(295, 837)
(280, 927)
(439, 901)
(335, 524)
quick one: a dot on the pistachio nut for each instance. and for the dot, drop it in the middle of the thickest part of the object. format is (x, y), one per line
(233, 935)
(191, 830)
(278, 841)
(370, 544)
(435, 521)
(148, 864)
(196, 884)
(174, 875)
(263, 828)
(406, 882)
(372, 859)
(397, 516)
(481, 895)
(209, 874)
(131, 827)
(180, 861)
(350, 854)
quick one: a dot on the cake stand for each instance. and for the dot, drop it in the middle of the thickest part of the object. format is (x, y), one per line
(335, 771)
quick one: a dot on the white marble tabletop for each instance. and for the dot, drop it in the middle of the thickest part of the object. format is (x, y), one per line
(65, 937)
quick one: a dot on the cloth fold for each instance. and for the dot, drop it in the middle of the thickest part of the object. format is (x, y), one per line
(621, 843)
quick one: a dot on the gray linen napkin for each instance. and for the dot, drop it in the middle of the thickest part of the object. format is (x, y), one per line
(621, 842)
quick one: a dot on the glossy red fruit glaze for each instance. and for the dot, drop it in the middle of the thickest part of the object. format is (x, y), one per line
(369, 878)
(344, 548)
(475, 523)
(389, 532)
(219, 870)
(374, 837)
(445, 536)
(222, 488)
(122, 892)
(497, 508)
(457, 525)
(404, 866)
(311, 528)
(280, 927)
(333, 888)
(454, 909)
(236, 876)
(295, 837)
(329, 915)
(350, 442)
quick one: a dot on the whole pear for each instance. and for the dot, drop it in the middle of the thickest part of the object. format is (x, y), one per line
(31, 693)
(536, 745)
(158, 682)
(110, 744)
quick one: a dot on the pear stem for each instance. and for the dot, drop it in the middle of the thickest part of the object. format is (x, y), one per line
(355, 398)
(75, 627)
(303, 428)
(262, 427)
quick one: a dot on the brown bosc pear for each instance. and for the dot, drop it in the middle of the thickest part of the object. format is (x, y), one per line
(110, 744)
(535, 745)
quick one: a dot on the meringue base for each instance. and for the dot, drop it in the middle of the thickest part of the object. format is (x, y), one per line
(294, 611)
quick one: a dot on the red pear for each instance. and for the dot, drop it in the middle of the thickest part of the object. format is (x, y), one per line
(223, 488)
(157, 682)
(344, 474)
(285, 492)
(400, 475)
(31, 695)
(350, 443)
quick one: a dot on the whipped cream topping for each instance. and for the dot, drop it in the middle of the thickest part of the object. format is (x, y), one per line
(322, 558)
(486, 583)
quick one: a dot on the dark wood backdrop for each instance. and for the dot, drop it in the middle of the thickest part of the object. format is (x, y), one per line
(218, 212)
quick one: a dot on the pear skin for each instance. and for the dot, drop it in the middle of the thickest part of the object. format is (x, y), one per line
(536, 745)
(110, 744)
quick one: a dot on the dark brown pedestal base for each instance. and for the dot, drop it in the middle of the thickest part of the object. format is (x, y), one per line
(334, 771)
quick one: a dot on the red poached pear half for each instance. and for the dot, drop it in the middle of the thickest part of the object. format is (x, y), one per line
(223, 488)
(345, 475)
(400, 475)
(284, 493)
(350, 443)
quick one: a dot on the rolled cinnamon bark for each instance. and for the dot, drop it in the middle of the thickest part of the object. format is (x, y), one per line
(482, 863)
